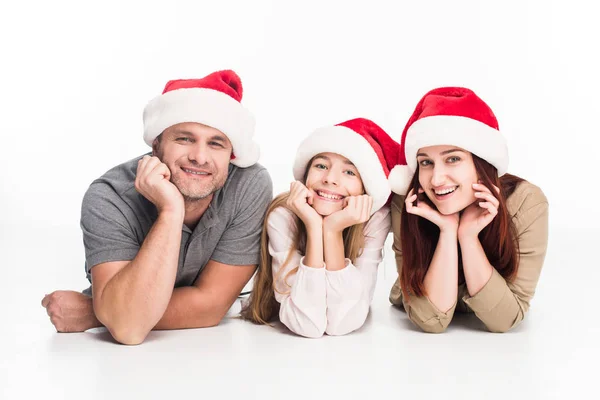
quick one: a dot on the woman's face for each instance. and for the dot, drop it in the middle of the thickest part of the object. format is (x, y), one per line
(332, 178)
(447, 174)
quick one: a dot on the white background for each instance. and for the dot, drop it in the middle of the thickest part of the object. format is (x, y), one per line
(75, 77)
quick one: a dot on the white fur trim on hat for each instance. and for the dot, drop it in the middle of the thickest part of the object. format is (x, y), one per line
(209, 107)
(346, 142)
(399, 179)
(469, 134)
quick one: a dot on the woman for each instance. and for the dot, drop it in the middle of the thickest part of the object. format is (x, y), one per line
(322, 241)
(467, 236)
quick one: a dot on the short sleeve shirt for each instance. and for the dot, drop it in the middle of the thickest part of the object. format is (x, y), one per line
(115, 220)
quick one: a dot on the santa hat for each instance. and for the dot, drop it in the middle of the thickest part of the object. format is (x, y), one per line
(214, 101)
(372, 151)
(450, 116)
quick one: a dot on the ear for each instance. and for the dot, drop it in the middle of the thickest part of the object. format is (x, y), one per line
(155, 146)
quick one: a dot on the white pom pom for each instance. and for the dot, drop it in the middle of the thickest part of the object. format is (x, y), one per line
(399, 179)
(247, 155)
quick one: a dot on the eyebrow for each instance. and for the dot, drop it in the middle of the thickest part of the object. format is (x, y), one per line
(348, 162)
(218, 138)
(443, 153)
(186, 133)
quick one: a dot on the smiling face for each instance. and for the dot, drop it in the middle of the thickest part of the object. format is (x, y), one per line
(447, 174)
(197, 156)
(332, 177)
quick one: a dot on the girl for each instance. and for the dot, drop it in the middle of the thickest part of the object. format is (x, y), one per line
(467, 235)
(322, 241)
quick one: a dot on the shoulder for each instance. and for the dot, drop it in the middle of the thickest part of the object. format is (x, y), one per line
(245, 186)
(397, 202)
(380, 221)
(526, 197)
(254, 177)
(118, 181)
(281, 217)
(527, 204)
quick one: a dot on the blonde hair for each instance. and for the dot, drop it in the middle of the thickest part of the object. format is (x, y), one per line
(262, 306)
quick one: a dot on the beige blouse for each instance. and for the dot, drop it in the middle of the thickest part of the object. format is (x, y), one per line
(500, 305)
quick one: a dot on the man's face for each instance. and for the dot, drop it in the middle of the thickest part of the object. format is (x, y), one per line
(197, 156)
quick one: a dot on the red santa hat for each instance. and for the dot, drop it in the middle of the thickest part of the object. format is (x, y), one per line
(453, 116)
(214, 101)
(372, 151)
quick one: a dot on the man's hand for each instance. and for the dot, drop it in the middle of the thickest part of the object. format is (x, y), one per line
(153, 182)
(70, 311)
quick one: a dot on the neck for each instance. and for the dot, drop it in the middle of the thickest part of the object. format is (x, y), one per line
(194, 209)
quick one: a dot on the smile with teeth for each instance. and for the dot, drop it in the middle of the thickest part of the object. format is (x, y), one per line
(446, 191)
(329, 196)
(189, 171)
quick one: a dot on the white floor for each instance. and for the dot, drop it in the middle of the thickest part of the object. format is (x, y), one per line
(552, 354)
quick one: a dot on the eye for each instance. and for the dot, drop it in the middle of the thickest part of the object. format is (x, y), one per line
(320, 166)
(453, 159)
(183, 139)
(349, 172)
(425, 163)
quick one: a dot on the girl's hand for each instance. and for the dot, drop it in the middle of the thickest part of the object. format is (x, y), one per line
(356, 210)
(300, 202)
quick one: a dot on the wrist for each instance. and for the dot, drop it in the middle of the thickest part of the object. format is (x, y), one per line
(449, 230)
(330, 228)
(171, 213)
(465, 237)
(314, 225)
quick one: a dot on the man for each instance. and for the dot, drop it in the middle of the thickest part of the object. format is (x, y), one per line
(171, 238)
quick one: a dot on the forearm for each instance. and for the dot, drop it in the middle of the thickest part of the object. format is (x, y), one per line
(441, 280)
(190, 308)
(476, 267)
(303, 308)
(134, 300)
(333, 252)
(314, 247)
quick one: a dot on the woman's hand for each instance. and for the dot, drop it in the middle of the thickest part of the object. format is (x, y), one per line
(479, 214)
(446, 223)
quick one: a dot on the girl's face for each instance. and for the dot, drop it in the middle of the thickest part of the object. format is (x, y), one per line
(447, 175)
(332, 178)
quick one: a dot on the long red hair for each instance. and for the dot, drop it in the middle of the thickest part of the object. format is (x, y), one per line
(419, 236)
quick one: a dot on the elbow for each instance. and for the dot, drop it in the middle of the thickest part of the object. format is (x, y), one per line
(351, 322)
(124, 332)
(503, 327)
(311, 333)
(214, 321)
(499, 329)
(433, 325)
(435, 328)
(128, 335)
(308, 329)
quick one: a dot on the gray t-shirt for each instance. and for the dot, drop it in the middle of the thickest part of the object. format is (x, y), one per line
(115, 220)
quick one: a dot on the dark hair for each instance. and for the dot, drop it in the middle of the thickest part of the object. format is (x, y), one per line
(419, 236)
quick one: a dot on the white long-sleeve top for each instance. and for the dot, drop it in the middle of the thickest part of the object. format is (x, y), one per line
(314, 301)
